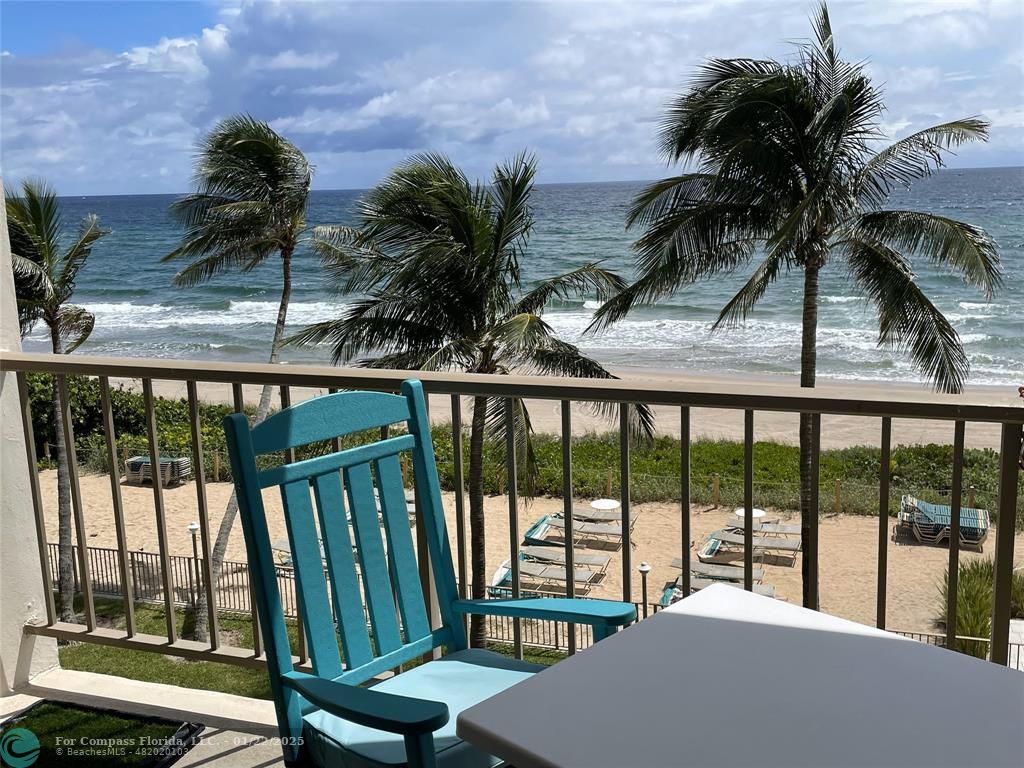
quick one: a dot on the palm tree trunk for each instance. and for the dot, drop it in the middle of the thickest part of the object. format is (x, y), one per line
(201, 631)
(65, 558)
(477, 539)
(808, 365)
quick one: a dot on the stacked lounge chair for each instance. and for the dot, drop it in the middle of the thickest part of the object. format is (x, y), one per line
(931, 523)
(139, 470)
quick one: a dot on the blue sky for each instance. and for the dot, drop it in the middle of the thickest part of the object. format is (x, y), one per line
(110, 97)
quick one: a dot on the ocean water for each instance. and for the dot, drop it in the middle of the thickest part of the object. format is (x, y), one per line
(140, 313)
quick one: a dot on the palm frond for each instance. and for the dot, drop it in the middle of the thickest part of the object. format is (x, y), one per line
(496, 426)
(74, 258)
(590, 279)
(516, 335)
(511, 189)
(74, 325)
(967, 249)
(914, 157)
(908, 321)
(559, 358)
(741, 305)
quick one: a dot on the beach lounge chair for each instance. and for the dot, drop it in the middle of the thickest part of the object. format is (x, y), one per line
(720, 572)
(326, 717)
(591, 515)
(931, 523)
(557, 555)
(777, 529)
(543, 578)
(607, 534)
(725, 542)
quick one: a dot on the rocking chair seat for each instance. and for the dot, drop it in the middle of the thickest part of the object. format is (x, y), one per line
(460, 680)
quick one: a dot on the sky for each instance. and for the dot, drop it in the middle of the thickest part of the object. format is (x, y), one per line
(111, 97)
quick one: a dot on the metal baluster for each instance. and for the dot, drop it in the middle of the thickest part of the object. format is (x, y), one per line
(684, 494)
(748, 500)
(118, 505)
(289, 458)
(76, 502)
(567, 500)
(158, 505)
(883, 522)
(811, 551)
(955, 502)
(37, 498)
(460, 501)
(624, 483)
(199, 473)
(513, 516)
(238, 397)
(1009, 450)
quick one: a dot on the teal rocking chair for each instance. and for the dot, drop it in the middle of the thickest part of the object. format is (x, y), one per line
(329, 717)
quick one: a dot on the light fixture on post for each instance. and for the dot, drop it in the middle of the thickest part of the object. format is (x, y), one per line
(193, 528)
(644, 568)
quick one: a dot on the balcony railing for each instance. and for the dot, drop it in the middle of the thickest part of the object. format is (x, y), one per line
(565, 392)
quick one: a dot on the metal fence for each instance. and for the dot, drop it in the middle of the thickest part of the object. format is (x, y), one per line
(233, 594)
(675, 399)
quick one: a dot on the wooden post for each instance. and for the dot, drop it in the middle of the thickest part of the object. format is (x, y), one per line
(216, 466)
(608, 484)
(715, 485)
(839, 496)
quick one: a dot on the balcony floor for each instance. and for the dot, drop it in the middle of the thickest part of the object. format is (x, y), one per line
(233, 749)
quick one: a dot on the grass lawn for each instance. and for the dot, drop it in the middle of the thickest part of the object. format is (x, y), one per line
(91, 737)
(212, 676)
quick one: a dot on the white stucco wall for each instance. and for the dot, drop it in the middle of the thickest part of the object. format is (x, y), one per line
(21, 593)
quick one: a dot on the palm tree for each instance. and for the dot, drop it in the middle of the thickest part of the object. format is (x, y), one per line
(786, 169)
(44, 273)
(252, 188)
(438, 259)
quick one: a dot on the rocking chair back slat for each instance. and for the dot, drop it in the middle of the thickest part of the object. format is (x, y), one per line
(400, 548)
(310, 584)
(380, 600)
(341, 565)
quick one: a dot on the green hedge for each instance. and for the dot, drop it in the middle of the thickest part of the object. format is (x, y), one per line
(923, 470)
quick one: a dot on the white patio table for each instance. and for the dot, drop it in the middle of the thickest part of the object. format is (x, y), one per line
(755, 513)
(675, 690)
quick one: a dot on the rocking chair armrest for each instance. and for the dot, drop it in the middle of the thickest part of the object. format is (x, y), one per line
(365, 706)
(598, 613)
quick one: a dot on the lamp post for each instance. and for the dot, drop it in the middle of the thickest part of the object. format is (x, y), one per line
(644, 568)
(193, 528)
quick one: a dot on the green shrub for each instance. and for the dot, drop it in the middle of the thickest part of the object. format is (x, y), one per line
(923, 470)
(974, 602)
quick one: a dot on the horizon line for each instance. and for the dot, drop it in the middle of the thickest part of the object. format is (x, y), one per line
(539, 184)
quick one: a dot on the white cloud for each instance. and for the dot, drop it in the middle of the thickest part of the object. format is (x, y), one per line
(359, 86)
(293, 60)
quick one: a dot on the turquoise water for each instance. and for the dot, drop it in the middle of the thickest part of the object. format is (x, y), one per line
(139, 313)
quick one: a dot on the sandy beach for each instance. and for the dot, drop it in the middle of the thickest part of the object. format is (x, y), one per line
(847, 564)
(836, 431)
